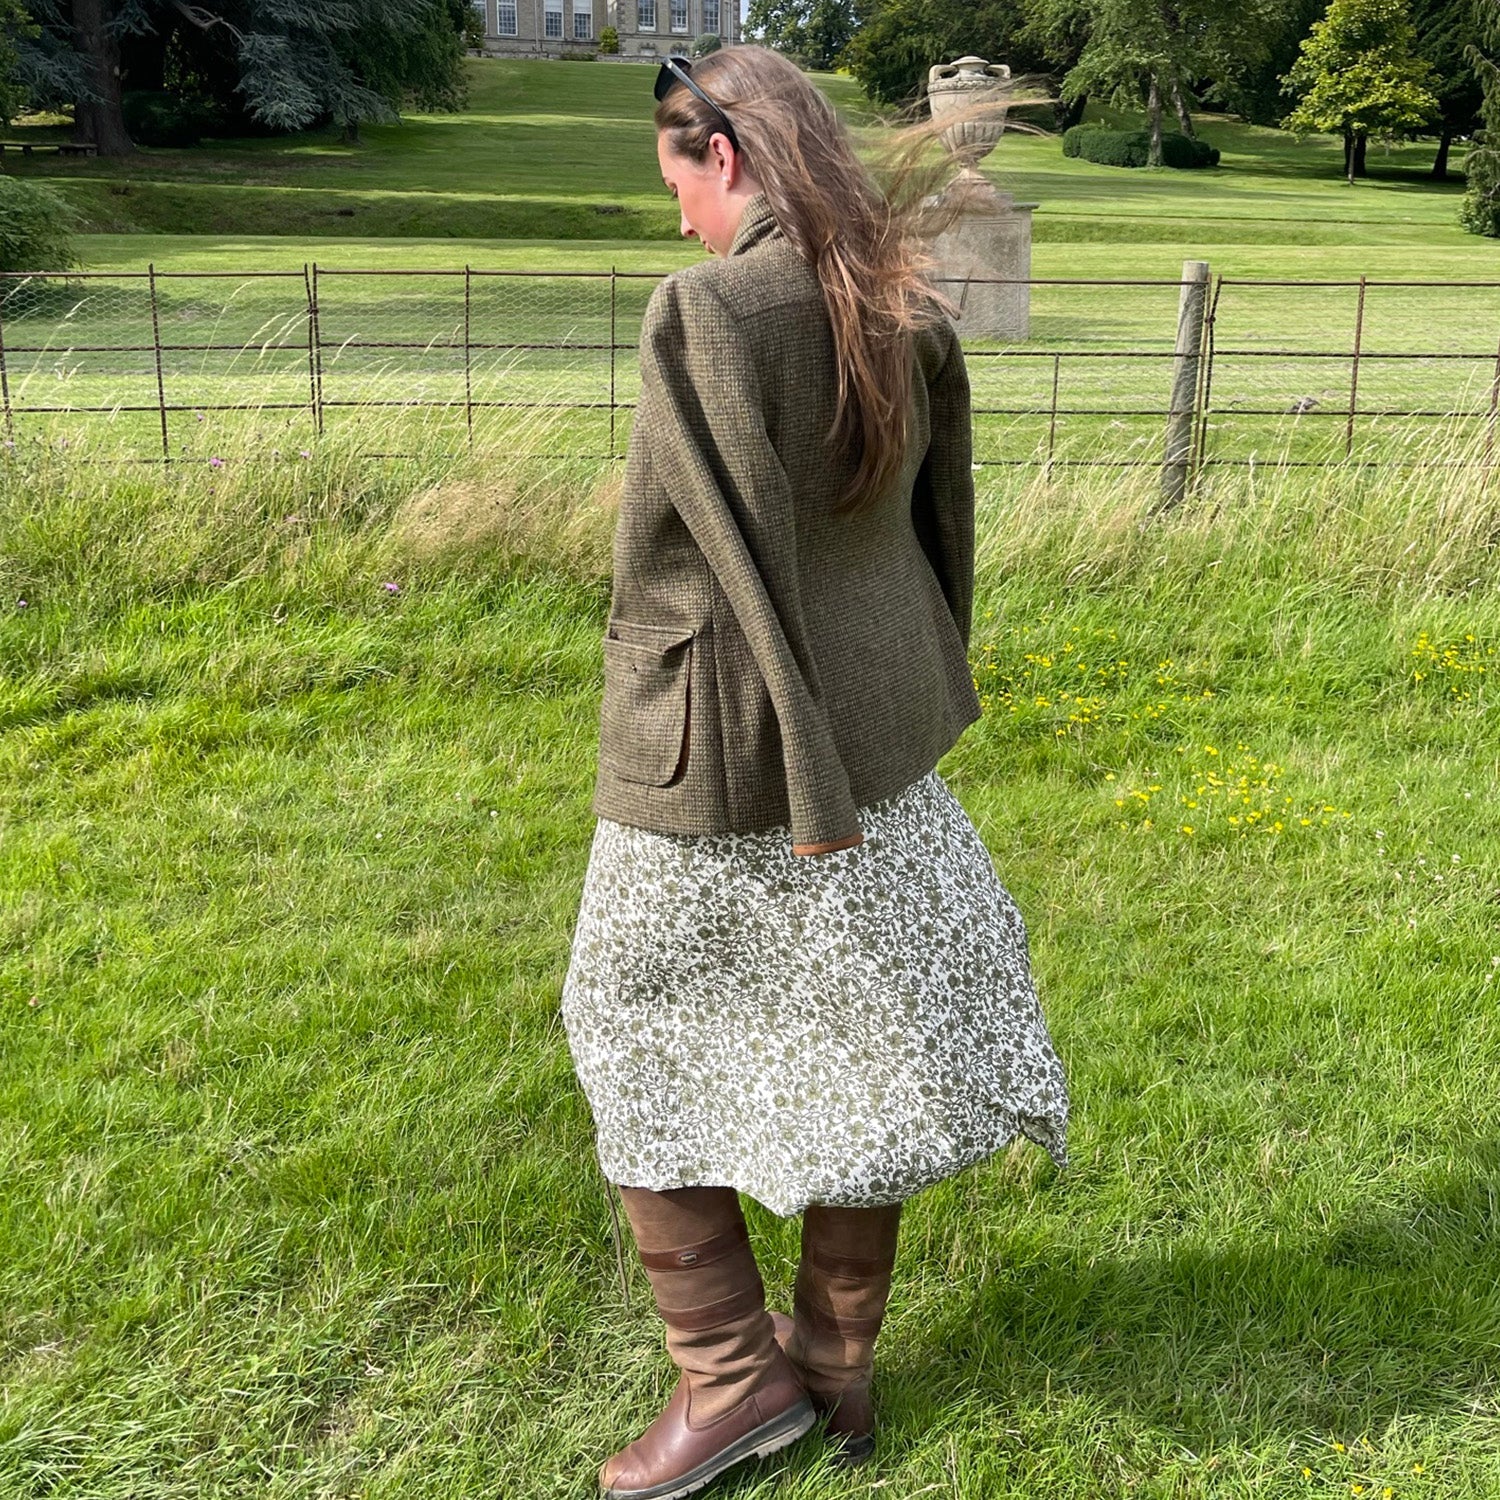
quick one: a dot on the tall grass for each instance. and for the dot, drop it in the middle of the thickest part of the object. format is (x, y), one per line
(1430, 526)
(76, 521)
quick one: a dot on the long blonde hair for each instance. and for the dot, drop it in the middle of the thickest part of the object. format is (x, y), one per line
(864, 244)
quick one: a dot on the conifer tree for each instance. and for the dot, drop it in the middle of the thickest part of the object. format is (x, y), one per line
(1481, 208)
(276, 64)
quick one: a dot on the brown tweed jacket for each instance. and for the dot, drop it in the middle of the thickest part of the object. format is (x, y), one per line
(768, 661)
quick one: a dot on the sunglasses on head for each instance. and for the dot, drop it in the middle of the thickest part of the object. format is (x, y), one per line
(675, 70)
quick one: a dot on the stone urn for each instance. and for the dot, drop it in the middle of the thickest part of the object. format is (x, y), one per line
(983, 249)
(955, 87)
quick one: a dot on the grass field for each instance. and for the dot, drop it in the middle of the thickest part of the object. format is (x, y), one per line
(296, 1195)
(521, 175)
(297, 1199)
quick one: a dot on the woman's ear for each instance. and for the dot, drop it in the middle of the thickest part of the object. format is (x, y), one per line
(726, 159)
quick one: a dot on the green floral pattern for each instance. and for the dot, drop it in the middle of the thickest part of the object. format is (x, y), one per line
(843, 1029)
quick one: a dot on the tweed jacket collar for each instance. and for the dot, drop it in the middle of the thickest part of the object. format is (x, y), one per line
(757, 223)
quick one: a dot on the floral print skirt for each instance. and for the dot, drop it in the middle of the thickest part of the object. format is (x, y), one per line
(842, 1029)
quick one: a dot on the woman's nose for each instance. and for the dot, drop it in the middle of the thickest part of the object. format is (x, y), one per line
(687, 229)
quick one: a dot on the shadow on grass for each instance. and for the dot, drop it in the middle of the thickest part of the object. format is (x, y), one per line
(1388, 1314)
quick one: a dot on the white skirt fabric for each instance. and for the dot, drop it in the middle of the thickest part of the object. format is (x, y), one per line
(843, 1029)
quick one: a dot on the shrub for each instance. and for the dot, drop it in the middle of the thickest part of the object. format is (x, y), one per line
(578, 56)
(609, 42)
(1132, 148)
(1186, 151)
(156, 118)
(708, 42)
(36, 228)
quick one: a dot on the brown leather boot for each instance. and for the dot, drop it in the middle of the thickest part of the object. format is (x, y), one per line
(738, 1397)
(843, 1282)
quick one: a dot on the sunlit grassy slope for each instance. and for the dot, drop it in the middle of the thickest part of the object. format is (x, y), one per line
(553, 163)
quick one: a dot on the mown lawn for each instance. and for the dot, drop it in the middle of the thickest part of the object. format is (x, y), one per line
(296, 1193)
(552, 164)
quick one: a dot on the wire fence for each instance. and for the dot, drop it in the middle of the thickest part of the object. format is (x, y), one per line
(1201, 371)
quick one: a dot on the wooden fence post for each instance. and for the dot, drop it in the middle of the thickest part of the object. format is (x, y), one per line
(1182, 414)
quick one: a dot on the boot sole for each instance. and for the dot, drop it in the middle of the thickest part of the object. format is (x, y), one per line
(770, 1437)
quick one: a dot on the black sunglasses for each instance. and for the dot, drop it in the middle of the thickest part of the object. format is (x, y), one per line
(675, 70)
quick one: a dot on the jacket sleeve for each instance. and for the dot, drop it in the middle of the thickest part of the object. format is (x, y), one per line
(702, 417)
(942, 504)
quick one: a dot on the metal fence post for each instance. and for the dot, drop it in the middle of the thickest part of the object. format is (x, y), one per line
(468, 360)
(1206, 383)
(312, 372)
(315, 335)
(1052, 424)
(1359, 341)
(1186, 365)
(1489, 433)
(613, 356)
(161, 391)
(10, 428)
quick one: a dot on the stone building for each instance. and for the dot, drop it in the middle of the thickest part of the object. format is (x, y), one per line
(647, 28)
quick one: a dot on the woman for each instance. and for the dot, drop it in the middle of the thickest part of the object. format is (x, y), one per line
(794, 974)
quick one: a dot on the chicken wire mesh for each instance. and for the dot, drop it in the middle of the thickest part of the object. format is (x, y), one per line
(186, 365)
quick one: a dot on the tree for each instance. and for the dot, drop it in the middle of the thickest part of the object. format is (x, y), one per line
(775, 23)
(827, 32)
(1359, 76)
(1481, 210)
(1058, 31)
(899, 40)
(278, 64)
(816, 32)
(1446, 29)
(17, 30)
(1152, 53)
(1251, 86)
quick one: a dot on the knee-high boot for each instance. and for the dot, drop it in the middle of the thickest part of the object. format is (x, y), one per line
(738, 1397)
(843, 1283)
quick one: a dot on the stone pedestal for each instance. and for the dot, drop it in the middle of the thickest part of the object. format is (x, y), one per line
(984, 260)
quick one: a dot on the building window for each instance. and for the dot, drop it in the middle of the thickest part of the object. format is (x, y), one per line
(505, 18)
(679, 15)
(552, 20)
(711, 17)
(583, 20)
(645, 15)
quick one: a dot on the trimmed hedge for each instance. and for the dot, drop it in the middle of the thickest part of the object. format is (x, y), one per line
(36, 228)
(1132, 148)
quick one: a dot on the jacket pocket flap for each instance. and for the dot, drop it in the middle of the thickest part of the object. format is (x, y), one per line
(643, 722)
(651, 639)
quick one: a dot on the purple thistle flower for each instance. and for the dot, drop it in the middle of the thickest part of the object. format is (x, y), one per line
(216, 463)
(392, 588)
